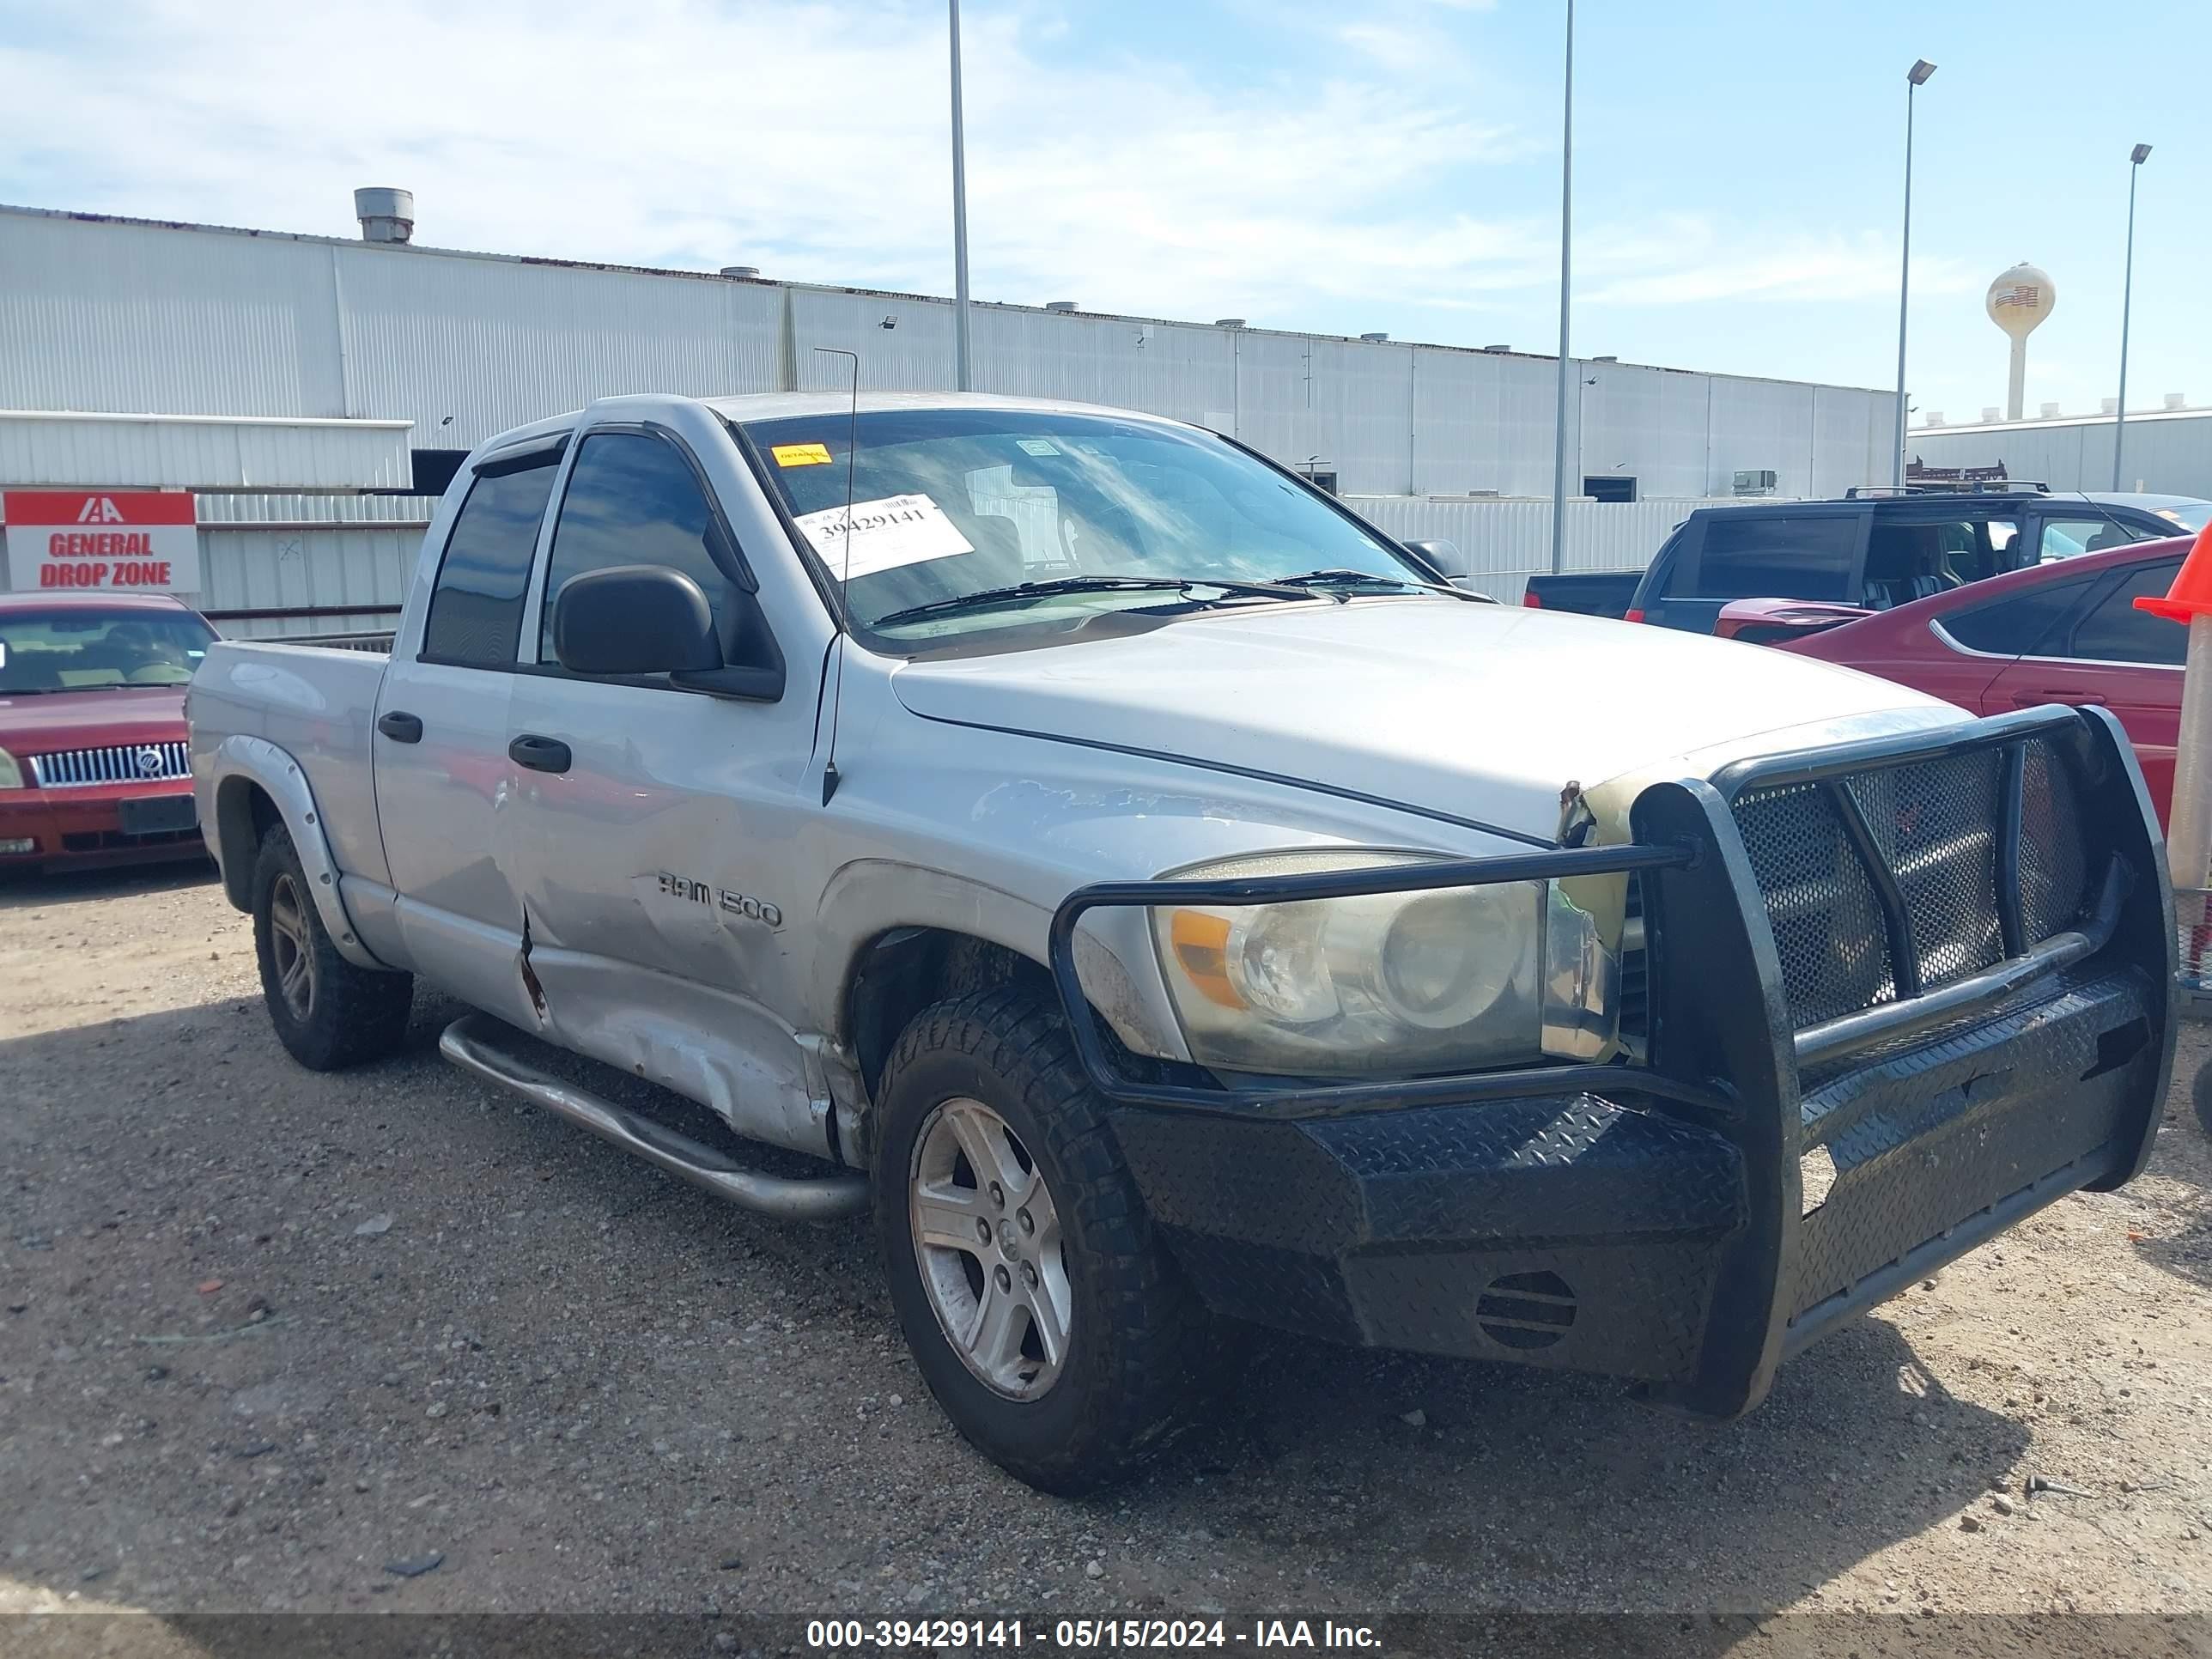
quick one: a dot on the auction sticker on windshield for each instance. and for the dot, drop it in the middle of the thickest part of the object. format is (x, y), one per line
(894, 531)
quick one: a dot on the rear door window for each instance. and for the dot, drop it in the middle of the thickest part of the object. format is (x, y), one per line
(2115, 631)
(1748, 555)
(2016, 625)
(476, 604)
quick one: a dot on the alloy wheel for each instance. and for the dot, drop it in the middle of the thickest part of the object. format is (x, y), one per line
(291, 950)
(986, 1237)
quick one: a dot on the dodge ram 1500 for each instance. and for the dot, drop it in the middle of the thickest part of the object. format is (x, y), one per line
(1158, 902)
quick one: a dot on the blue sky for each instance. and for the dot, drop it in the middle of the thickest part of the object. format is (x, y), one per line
(1305, 165)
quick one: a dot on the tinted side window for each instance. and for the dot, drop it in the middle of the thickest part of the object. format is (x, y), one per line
(1753, 556)
(2115, 631)
(632, 500)
(476, 605)
(2015, 625)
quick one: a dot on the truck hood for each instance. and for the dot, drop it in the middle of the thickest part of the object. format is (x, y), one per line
(1481, 713)
(41, 723)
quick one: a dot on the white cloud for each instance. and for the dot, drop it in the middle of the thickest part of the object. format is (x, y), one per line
(810, 139)
(1402, 51)
(1687, 262)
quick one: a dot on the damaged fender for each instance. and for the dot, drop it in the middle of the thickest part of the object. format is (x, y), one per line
(239, 764)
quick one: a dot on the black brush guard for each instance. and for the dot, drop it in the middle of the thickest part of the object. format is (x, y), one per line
(1651, 1220)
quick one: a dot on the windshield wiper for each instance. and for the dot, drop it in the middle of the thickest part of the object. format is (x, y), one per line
(1017, 590)
(1369, 578)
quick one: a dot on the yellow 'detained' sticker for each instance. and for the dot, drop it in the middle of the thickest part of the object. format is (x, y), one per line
(800, 454)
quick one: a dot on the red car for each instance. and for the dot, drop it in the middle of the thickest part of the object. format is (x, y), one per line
(93, 763)
(2064, 631)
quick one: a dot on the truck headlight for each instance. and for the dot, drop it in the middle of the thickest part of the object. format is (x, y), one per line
(1439, 979)
(11, 774)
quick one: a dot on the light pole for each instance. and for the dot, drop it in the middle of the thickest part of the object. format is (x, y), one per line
(1566, 250)
(1915, 77)
(2136, 158)
(961, 372)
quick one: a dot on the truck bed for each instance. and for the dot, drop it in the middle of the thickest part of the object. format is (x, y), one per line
(316, 701)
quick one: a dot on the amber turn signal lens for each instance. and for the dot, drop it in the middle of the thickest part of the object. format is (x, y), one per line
(1201, 942)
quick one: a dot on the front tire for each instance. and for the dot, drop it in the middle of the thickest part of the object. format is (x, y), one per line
(328, 1013)
(1044, 1313)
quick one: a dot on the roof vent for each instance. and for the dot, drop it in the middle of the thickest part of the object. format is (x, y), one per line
(386, 216)
(1935, 418)
(1610, 357)
(1497, 348)
(1375, 339)
(744, 273)
(1230, 322)
(2175, 400)
(1063, 307)
(1989, 414)
(2108, 405)
(2049, 411)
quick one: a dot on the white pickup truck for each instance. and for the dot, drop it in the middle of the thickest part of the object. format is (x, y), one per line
(1161, 902)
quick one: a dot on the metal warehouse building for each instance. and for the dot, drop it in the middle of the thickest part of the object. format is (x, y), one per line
(2168, 451)
(116, 317)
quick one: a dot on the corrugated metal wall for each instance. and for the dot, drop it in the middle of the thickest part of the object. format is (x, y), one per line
(289, 552)
(50, 448)
(101, 314)
(2169, 454)
(1502, 543)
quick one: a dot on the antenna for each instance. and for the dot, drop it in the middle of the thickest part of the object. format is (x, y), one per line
(829, 778)
(2130, 531)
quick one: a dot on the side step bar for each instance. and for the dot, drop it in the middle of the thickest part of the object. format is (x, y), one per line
(478, 1044)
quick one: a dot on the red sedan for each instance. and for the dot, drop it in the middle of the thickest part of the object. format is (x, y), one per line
(2065, 631)
(93, 763)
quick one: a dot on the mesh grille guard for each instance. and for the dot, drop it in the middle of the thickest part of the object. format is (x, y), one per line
(1903, 886)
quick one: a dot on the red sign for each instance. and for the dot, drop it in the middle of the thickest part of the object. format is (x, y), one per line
(113, 541)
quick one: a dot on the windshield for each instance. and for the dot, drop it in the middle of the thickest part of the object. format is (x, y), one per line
(950, 504)
(63, 650)
(2191, 516)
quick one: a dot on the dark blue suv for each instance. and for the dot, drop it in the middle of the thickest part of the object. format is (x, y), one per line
(1881, 550)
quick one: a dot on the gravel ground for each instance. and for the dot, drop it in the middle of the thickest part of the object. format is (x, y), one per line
(269, 1336)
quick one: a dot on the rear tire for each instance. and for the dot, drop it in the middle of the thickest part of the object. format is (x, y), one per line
(990, 1078)
(328, 1013)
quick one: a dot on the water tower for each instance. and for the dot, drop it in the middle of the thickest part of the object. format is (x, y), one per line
(2018, 302)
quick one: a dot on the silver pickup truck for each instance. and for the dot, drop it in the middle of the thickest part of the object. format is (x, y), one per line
(1161, 902)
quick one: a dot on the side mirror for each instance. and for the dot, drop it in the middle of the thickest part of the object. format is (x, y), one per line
(633, 619)
(1769, 622)
(1440, 555)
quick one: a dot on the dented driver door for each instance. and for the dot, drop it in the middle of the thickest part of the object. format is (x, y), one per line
(649, 823)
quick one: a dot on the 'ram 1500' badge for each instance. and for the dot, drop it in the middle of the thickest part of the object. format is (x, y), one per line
(736, 905)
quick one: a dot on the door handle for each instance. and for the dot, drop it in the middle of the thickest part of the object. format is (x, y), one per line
(539, 754)
(401, 727)
(2057, 694)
